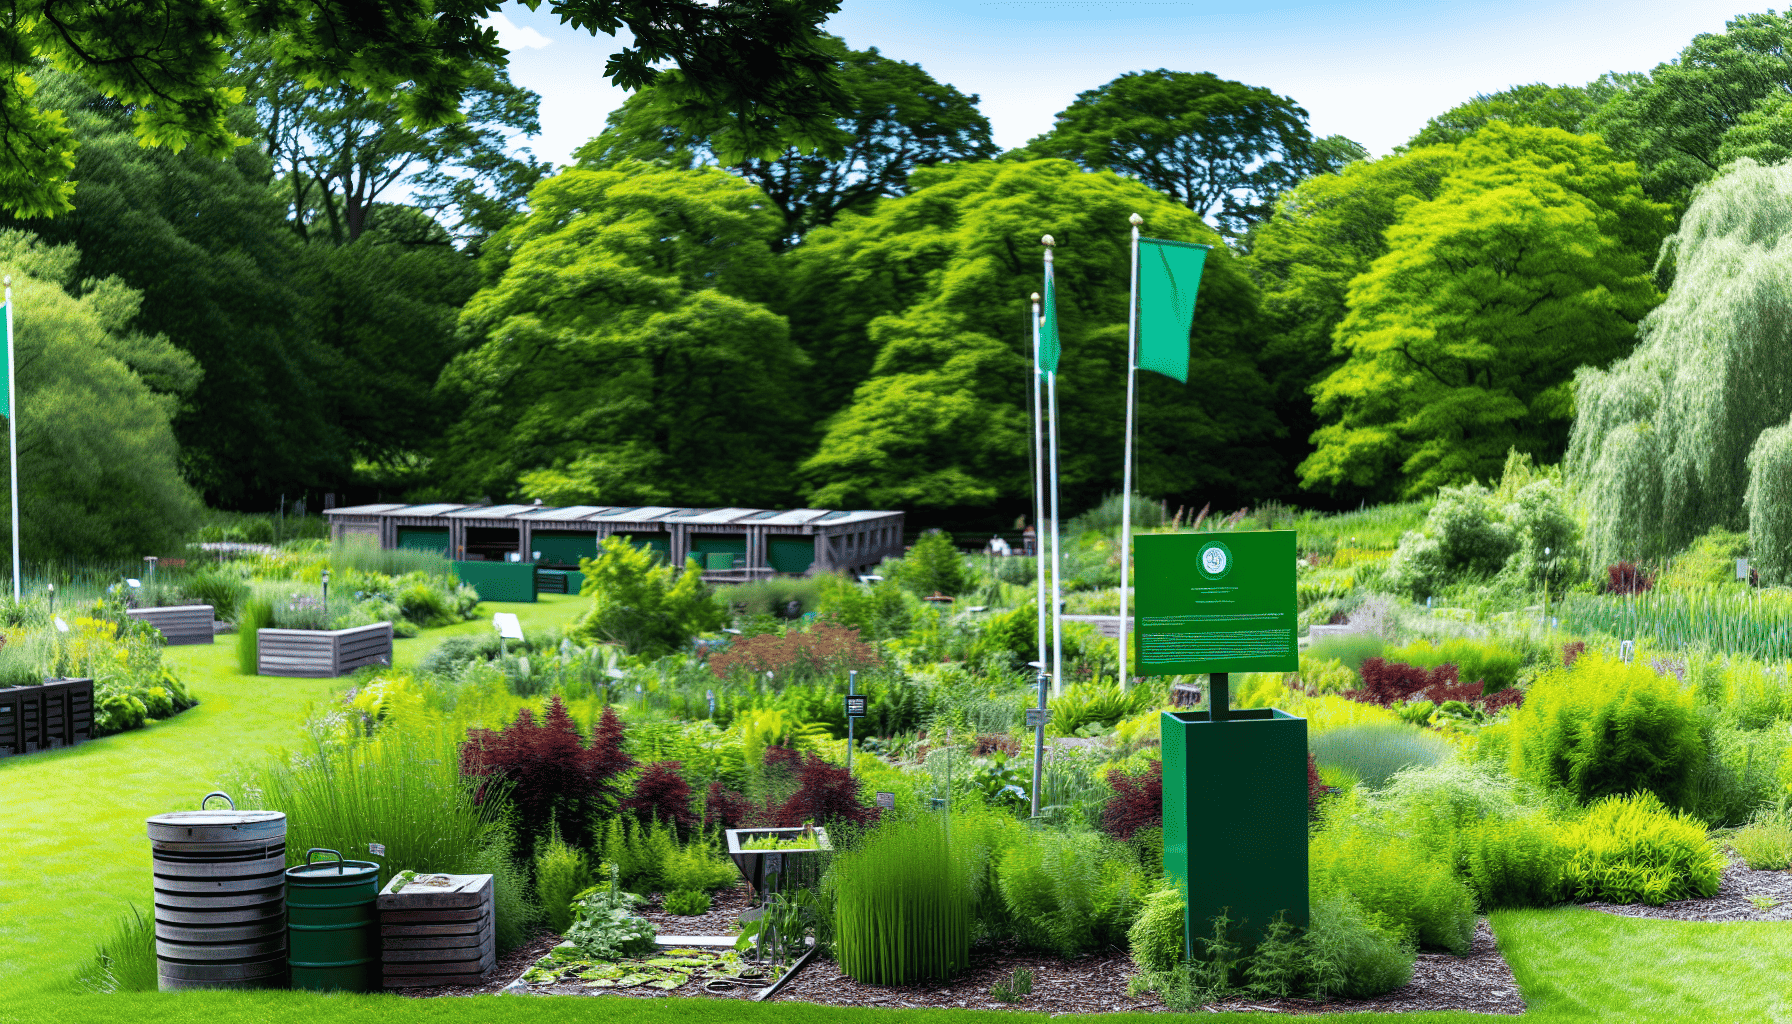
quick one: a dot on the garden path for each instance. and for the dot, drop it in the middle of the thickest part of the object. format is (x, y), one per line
(73, 850)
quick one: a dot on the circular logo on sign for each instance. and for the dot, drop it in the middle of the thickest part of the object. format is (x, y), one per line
(1216, 560)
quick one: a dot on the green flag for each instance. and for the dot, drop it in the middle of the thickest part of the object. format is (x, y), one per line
(1048, 329)
(1169, 276)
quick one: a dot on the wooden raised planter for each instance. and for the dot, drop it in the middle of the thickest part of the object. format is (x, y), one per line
(57, 714)
(180, 624)
(322, 653)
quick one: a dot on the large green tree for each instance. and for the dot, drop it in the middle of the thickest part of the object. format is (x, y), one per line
(1673, 122)
(99, 471)
(936, 284)
(895, 118)
(1327, 231)
(1222, 148)
(1535, 106)
(1462, 340)
(625, 351)
(1662, 440)
(761, 61)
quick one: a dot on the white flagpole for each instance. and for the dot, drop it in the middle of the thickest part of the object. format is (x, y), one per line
(1132, 377)
(1039, 486)
(1051, 390)
(12, 435)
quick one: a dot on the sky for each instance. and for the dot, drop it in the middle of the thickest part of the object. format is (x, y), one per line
(1372, 70)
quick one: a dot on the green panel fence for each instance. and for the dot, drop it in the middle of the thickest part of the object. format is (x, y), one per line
(414, 538)
(790, 554)
(499, 581)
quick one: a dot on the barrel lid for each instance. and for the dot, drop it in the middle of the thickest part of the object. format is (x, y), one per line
(215, 816)
(332, 870)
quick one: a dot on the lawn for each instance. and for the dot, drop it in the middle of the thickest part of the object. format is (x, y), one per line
(73, 850)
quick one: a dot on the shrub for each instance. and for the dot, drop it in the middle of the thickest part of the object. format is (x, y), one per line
(1391, 875)
(823, 649)
(1628, 578)
(698, 867)
(1603, 728)
(1068, 892)
(1374, 752)
(1464, 536)
(1158, 936)
(561, 873)
(224, 589)
(662, 794)
(1387, 683)
(1764, 844)
(1351, 954)
(902, 902)
(932, 566)
(687, 903)
(1085, 704)
(1439, 806)
(1631, 849)
(648, 608)
(604, 929)
(1137, 803)
(1482, 661)
(550, 773)
(826, 794)
(1350, 650)
(1515, 862)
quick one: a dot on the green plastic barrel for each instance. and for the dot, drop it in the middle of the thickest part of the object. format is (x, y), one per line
(332, 926)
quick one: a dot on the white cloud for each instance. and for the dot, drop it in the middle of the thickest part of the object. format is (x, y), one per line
(513, 37)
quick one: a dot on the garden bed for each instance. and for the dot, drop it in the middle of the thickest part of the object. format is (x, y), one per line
(179, 624)
(322, 653)
(1739, 887)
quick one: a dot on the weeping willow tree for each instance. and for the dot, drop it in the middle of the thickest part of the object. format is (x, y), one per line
(1661, 442)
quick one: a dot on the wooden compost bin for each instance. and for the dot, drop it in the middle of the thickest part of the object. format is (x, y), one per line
(322, 653)
(437, 930)
(58, 713)
(179, 624)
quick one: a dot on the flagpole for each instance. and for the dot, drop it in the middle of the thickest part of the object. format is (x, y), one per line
(1132, 379)
(1051, 390)
(1039, 476)
(12, 435)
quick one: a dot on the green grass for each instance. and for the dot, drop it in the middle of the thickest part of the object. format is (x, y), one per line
(73, 849)
(1584, 964)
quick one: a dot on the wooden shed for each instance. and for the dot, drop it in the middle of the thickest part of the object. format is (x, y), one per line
(751, 542)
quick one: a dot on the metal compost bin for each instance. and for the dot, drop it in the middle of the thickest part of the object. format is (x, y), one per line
(333, 924)
(219, 897)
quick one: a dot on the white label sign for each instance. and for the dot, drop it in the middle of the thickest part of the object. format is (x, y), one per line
(377, 849)
(507, 625)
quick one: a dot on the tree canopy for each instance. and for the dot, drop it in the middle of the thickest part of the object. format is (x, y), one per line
(1222, 148)
(626, 354)
(1462, 339)
(895, 118)
(99, 469)
(762, 62)
(1533, 106)
(937, 284)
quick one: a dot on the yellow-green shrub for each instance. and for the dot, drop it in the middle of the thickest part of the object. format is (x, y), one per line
(1603, 727)
(1632, 849)
(1391, 875)
(1515, 861)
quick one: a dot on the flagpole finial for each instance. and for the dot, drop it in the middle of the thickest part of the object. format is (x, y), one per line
(1136, 220)
(1047, 242)
(1035, 298)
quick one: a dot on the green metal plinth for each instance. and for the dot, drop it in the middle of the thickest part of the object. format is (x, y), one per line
(1235, 818)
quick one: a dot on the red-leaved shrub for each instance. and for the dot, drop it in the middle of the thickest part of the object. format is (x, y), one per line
(1571, 652)
(1510, 697)
(826, 794)
(551, 774)
(1628, 578)
(1138, 801)
(1389, 682)
(724, 808)
(662, 794)
(824, 648)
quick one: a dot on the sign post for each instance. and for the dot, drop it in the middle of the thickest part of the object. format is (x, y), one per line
(1235, 780)
(855, 710)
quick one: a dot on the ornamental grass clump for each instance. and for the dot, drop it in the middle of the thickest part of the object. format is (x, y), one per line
(1374, 751)
(902, 904)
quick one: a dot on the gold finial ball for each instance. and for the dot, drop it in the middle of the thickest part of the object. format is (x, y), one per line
(1136, 220)
(1035, 296)
(1047, 241)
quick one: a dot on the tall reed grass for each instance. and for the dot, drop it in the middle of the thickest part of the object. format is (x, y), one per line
(902, 904)
(126, 960)
(1756, 623)
(401, 788)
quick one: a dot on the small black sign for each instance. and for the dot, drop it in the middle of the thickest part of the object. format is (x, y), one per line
(886, 800)
(855, 706)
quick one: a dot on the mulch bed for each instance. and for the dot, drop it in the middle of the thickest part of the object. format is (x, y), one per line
(1732, 903)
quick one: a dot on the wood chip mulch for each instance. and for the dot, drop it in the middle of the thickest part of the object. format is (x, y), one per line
(1732, 902)
(1480, 982)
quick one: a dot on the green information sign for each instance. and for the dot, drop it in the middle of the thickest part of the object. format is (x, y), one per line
(1215, 602)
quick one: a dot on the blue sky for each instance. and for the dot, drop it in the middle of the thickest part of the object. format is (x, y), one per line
(1373, 71)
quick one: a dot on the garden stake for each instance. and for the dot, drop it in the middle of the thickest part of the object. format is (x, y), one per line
(1039, 743)
(852, 682)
